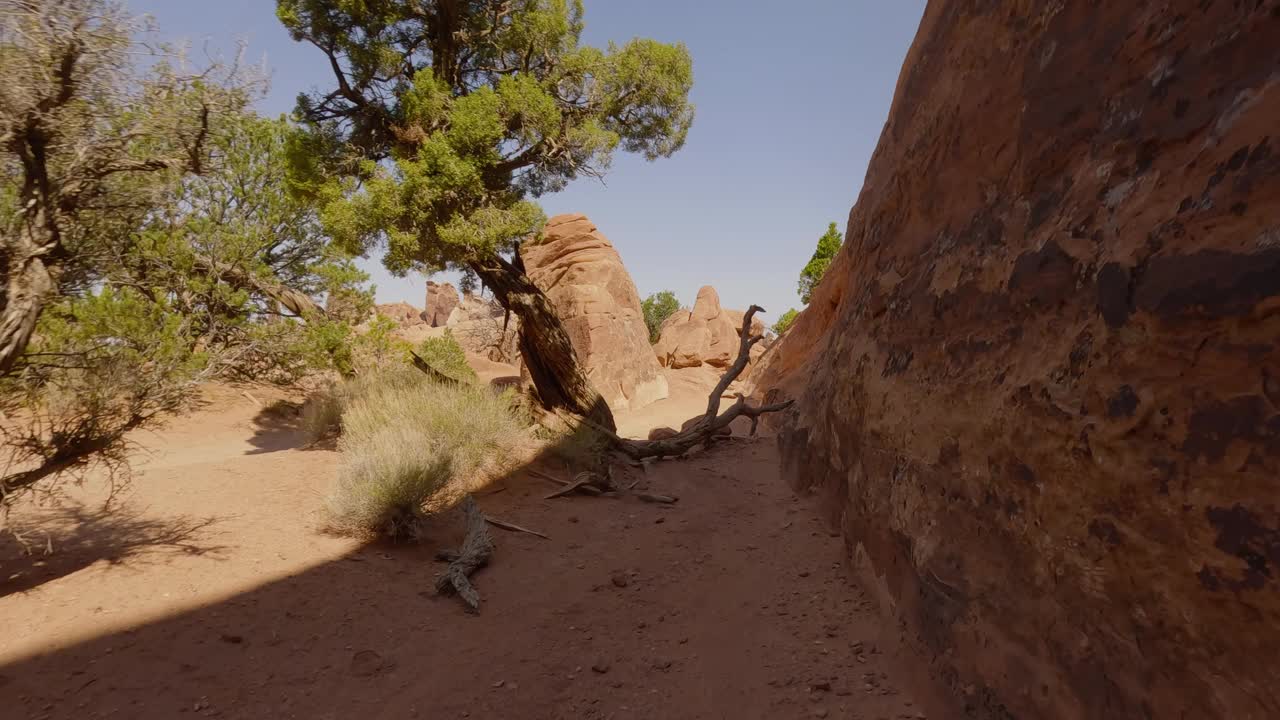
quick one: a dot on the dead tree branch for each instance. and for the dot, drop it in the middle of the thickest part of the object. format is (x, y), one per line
(710, 424)
(430, 371)
(514, 527)
(474, 554)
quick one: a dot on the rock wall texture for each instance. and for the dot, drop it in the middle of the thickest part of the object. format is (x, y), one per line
(483, 328)
(442, 298)
(1040, 385)
(583, 276)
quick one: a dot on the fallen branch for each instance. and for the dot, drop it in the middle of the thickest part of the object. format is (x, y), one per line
(474, 554)
(513, 527)
(661, 499)
(704, 431)
(586, 483)
(547, 476)
(430, 371)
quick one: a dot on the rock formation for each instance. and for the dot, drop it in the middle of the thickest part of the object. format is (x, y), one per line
(482, 327)
(584, 278)
(1040, 385)
(442, 298)
(708, 334)
(403, 313)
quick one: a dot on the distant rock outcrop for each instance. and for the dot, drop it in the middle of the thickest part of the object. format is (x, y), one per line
(442, 298)
(583, 276)
(403, 313)
(708, 334)
(1039, 386)
(482, 327)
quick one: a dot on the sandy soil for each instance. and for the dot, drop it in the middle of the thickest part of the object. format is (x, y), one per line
(208, 592)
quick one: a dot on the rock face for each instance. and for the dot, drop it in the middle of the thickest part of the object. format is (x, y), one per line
(708, 334)
(403, 313)
(482, 327)
(583, 276)
(1040, 387)
(442, 298)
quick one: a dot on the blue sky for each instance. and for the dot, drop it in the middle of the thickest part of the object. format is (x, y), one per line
(791, 100)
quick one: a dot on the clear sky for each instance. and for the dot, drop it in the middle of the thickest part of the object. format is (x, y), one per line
(791, 100)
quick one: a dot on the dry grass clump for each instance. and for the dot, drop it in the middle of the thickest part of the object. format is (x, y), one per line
(409, 445)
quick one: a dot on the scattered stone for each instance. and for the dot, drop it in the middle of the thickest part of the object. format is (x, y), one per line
(367, 663)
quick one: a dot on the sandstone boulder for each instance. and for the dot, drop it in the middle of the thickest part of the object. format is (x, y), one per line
(1040, 384)
(584, 278)
(442, 298)
(403, 313)
(482, 327)
(708, 334)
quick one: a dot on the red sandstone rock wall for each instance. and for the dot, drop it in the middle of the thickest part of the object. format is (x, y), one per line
(1040, 386)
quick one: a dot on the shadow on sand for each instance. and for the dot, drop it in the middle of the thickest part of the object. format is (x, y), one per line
(61, 541)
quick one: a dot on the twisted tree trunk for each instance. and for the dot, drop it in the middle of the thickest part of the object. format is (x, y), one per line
(559, 378)
(28, 284)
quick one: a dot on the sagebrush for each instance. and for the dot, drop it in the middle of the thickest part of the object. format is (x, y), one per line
(410, 444)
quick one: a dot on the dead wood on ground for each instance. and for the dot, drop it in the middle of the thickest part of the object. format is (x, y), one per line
(477, 547)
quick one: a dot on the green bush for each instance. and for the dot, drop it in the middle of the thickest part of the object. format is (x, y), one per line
(446, 355)
(785, 321)
(657, 308)
(408, 441)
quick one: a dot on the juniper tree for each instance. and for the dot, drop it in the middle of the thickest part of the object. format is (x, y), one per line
(80, 128)
(828, 246)
(447, 120)
(657, 308)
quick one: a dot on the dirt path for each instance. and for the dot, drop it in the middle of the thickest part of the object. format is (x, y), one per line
(212, 595)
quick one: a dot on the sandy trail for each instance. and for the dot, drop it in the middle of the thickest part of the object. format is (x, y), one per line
(210, 593)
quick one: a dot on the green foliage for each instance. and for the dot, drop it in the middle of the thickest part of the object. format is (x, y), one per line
(446, 355)
(828, 246)
(99, 366)
(407, 442)
(785, 321)
(657, 308)
(445, 124)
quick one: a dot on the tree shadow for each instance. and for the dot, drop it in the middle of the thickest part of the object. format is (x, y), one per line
(278, 427)
(365, 635)
(72, 537)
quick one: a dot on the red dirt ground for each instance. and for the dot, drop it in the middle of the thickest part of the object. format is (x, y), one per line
(209, 592)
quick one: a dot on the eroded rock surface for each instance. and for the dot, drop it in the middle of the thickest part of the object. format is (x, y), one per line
(583, 276)
(708, 334)
(1040, 385)
(482, 327)
(442, 298)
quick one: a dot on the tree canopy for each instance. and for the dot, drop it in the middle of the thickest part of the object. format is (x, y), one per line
(449, 115)
(828, 246)
(657, 308)
(785, 321)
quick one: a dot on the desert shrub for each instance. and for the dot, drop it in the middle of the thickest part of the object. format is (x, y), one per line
(446, 355)
(407, 442)
(322, 413)
(376, 349)
(785, 321)
(657, 308)
(98, 367)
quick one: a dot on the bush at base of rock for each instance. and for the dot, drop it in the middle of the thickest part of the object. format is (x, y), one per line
(447, 356)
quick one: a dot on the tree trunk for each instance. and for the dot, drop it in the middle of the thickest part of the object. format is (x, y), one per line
(545, 346)
(27, 288)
